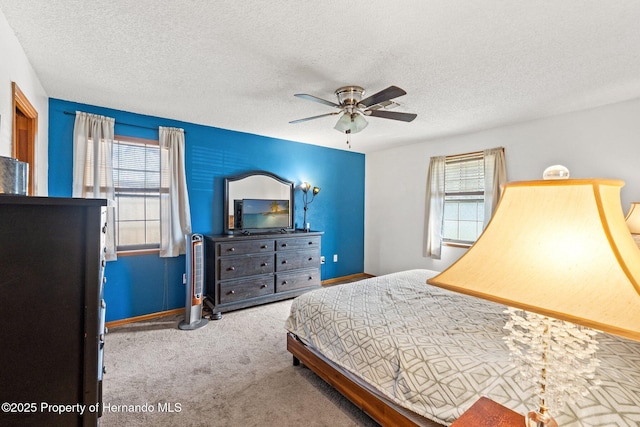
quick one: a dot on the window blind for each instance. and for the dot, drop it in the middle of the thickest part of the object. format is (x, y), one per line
(464, 198)
(464, 175)
(136, 167)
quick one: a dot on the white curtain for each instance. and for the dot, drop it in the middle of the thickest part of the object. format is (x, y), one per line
(434, 208)
(495, 176)
(175, 216)
(93, 166)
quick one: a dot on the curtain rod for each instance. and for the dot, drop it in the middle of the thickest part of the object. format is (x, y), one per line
(71, 113)
(469, 154)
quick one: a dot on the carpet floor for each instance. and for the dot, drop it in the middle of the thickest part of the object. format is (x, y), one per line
(233, 372)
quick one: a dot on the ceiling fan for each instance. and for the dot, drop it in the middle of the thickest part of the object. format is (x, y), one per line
(353, 108)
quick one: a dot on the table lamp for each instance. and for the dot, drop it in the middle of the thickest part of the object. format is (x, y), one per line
(559, 248)
(633, 221)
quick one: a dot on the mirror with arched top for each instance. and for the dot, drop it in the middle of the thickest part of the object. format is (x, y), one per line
(258, 201)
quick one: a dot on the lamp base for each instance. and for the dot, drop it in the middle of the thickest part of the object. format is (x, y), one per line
(537, 419)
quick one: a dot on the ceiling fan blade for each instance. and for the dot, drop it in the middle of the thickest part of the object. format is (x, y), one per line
(314, 117)
(387, 105)
(393, 115)
(384, 95)
(316, 99)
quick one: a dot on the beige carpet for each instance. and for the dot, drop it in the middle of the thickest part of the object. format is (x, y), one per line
(233, 372)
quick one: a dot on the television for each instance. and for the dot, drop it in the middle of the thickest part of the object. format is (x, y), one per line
(264, 214)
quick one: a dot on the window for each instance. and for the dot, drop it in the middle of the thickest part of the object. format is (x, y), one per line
(462, 193)
(137, 182)
(463, 217)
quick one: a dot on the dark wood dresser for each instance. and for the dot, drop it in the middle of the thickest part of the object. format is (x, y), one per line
(247, 270)
(51, 310)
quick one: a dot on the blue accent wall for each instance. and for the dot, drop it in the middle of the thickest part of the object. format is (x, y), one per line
(144, 284)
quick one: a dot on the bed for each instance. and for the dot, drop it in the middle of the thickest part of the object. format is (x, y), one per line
(408, 353)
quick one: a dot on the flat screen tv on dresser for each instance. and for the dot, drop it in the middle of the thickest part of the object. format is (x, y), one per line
(51, 310)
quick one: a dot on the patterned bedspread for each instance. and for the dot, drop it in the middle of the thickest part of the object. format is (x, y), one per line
(436, 352)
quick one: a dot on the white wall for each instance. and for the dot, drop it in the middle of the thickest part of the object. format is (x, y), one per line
(15, 67)
(600, 143)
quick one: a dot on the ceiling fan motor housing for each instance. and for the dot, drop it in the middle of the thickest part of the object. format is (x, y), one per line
(349, 95)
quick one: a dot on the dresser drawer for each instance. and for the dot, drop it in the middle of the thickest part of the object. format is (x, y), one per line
(296, 260)
(243, 266)
(295, 243)
(243, 289)
(296, 280)
(245, 247)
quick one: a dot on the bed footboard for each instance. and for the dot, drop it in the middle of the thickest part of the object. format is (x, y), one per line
(385, 412)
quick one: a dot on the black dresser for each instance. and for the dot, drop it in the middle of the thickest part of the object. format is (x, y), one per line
(51, 310)
(243, 271)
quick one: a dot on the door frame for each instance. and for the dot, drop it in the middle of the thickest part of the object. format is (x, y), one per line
(21, 103)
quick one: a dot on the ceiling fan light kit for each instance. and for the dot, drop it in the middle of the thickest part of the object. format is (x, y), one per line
(351, 122)
(353, 108)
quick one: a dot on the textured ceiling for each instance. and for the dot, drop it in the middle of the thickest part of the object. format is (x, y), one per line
(466, 65)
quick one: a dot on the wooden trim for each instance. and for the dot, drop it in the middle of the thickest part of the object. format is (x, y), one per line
(457, 245)
(384, 412)
(20, 102)
(121, 322)
(357, 276)
(135, 252)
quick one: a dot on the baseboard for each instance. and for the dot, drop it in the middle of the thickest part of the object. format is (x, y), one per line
(351, 277)
(121, 322)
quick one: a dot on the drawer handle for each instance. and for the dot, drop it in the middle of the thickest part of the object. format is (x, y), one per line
(284, 245)
(263, 247)
(231, 268)
(264, 264)
(311, 243)
(284, 282)
(232, 292)
(231, 249)
(264, 286)
(285, 261)
(310, 258)
(310, 277)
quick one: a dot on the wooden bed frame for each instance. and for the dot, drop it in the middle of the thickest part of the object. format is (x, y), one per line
(382, 410)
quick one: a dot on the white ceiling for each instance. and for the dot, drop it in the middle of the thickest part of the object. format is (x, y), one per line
(465, 64)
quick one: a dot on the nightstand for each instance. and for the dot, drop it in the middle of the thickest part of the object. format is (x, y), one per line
(487, 413)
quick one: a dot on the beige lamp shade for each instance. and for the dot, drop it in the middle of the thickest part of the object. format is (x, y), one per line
(559, 248)
(633, 218)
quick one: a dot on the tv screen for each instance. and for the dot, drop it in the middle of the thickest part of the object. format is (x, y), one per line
(265, 214)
